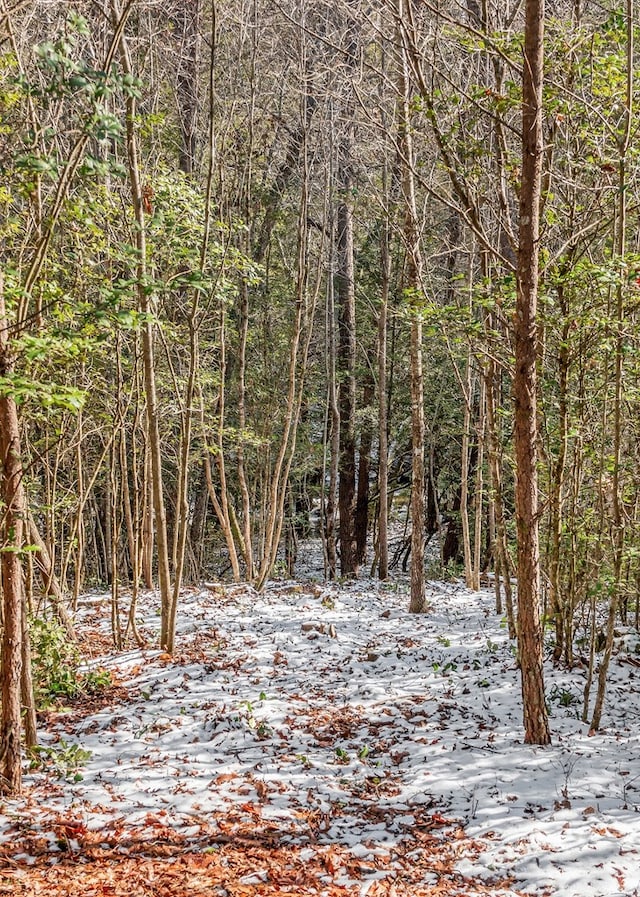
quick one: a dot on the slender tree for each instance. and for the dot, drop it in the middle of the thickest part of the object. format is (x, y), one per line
(346, 298)
(414, 293)
(148, 350)
(13, 518)
(617, 502)
(525, 386)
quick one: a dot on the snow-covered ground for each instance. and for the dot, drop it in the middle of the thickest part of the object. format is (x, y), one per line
(336, 718)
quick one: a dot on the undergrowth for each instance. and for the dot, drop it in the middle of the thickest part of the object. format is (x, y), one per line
(56, 666)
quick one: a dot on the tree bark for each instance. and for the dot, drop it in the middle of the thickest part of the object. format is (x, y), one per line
(346, 296)
(464, 474)
(347, 385)
(536, 724)
(413, 290)
(478, 498)
(11, 533)
(26, 684)
(186, 22)
(383, 439)
(332, 437)
(361, 517)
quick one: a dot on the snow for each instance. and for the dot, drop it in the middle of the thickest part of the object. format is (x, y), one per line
(332, 703)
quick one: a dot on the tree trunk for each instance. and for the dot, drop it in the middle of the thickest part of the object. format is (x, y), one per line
(464, 475)
(361, 519)
(148, 540)
(186, 22)
(617, 510)
(413, 289)
(346, 296)
(345, 279)
(383, 439)
(525, 382)
(11, 532)
(332, 437)
(501, 554)
(148, 355)
(478, 497)
(558, 607)
(26, 685)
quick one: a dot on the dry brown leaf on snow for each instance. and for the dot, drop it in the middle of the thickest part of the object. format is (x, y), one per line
(224, 777)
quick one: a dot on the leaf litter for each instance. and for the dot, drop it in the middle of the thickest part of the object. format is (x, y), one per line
(319, 740)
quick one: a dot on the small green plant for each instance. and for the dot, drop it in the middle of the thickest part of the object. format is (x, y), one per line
(448, 667)
(96, 680)
(341, 755)
(280, 570)
(63, 760)
(562, 696)
(443, 640)
(261, 728)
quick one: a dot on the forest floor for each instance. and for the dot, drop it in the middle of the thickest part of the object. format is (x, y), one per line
(318, 740)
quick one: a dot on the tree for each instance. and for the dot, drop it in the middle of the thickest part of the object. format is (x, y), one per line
(145, 307)
(36, 247)
(346, 299)
(617, 500)
(525, 386)
(13, 519)
(414, 294)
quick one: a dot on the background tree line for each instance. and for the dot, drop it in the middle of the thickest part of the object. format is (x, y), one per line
(261, 266)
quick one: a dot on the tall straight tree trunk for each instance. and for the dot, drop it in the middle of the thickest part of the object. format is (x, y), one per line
(413, 289)
(347, 387)
(501, 554)
(464, 474)
(148, 355)
(346, 296)
(383, 439)
(246, 204)
(536, 726)
(478, 498)
(146, 549)
(559, 609)
(194, 317)
(332, 435)
(11, 538)
(186, 22)
(361, 518)
(30, 723)
(617, 510)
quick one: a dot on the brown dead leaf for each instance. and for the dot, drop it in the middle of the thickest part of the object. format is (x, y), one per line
(224, 777)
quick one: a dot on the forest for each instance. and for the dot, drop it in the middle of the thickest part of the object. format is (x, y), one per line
(356, 278)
